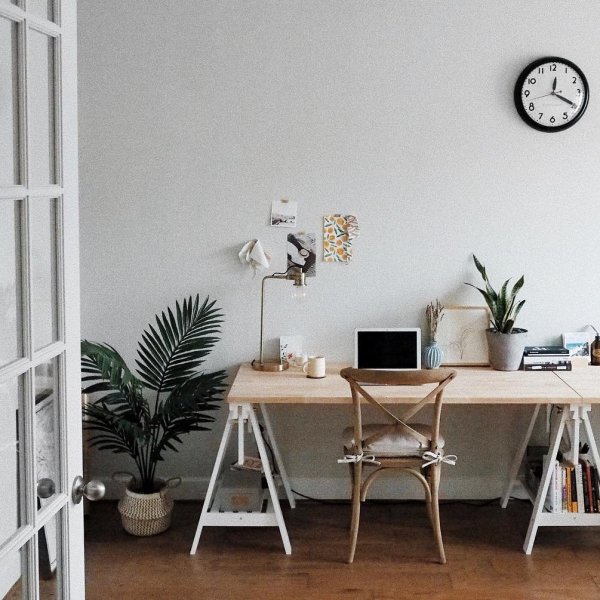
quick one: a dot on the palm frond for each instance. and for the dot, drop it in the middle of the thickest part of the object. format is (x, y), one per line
(172, 351)
(103, 364)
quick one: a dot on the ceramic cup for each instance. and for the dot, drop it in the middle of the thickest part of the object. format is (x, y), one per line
(300, 359)
(315, 367)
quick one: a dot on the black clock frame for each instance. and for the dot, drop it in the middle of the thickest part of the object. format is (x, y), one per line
(519, 88)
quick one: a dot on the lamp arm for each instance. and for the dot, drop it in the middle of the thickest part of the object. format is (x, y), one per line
(285, 274)
(292, 273)
(262, 308)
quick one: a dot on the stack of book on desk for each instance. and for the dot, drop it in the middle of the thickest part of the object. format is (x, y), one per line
(546, 358)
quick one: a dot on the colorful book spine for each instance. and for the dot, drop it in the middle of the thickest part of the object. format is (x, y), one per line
(546, 358)
(541, 350)
(548, 367)
(563, 476)
(579, 488)
(587, 490)
(556, 483)
(594, 473)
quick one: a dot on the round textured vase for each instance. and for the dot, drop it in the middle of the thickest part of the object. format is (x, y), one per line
(506, 349)
(432, 356)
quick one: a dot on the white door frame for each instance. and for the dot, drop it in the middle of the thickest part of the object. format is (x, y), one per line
(65, 349)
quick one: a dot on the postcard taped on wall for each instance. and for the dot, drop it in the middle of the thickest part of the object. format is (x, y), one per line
(338, 233)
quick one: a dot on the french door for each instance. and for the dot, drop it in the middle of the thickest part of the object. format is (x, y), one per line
(41, 527)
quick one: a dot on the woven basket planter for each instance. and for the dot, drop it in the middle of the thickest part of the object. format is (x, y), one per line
(147, 514)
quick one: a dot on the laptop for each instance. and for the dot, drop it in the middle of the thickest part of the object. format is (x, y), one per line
(391, 349)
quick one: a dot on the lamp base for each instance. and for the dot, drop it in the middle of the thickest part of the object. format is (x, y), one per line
(270, 365)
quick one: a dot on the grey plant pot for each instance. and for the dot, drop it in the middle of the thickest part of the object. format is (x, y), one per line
(506, 349)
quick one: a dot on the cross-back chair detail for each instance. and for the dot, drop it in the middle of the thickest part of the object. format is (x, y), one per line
(412, 447)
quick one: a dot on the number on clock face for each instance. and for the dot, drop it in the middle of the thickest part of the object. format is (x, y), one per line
(551, 94)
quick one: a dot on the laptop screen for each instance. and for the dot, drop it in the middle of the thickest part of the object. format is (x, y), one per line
(390, 349)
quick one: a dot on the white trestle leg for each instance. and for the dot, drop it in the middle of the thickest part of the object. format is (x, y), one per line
(538, 506)
(278, 460)
(518, 459)
(212, 516)
(210, 492)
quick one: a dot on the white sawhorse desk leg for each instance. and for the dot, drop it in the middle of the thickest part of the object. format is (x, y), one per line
(538, 506)
(278, 460)
(516, 465)
(240, 413)
(571, 417)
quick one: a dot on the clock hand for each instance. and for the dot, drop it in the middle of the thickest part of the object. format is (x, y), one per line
(554, 84)
(538, 97)
(565, 99)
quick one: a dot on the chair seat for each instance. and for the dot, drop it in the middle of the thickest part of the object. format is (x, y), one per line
(396, 443)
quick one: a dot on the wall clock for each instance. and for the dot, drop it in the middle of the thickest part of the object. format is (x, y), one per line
(551, 94)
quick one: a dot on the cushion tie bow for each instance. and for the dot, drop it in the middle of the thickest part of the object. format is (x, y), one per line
(437, 457)
(356, 458)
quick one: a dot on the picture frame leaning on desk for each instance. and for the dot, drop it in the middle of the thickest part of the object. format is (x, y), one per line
(461, 336)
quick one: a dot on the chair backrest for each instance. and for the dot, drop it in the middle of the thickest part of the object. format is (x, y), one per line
(356, 377)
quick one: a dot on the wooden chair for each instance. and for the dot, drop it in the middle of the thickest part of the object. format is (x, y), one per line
(415, 448)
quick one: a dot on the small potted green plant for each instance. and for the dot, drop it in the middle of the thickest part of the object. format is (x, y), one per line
(505, 341)
(146, 414)
(432, 353)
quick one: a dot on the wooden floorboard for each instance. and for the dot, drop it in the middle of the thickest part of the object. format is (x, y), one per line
(395, 557)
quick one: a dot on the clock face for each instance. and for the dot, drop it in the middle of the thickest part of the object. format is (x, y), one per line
(551, 94)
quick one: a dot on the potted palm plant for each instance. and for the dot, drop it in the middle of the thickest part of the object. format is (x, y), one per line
(145, 414)
(505, 341)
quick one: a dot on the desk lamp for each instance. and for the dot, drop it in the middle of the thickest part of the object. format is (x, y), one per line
(296, 275)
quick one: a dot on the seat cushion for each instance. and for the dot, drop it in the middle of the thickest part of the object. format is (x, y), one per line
(395, 443)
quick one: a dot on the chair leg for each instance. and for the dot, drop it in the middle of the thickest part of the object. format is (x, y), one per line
(351, 467)
(356, 485)
(435, 509)
(428, 497)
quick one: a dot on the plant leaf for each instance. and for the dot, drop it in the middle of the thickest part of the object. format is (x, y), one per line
(167, 357)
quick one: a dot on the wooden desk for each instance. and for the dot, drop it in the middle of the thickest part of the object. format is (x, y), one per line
(474, 385)
(573, 391)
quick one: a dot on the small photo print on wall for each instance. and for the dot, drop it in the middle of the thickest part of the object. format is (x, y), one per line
(283, 213)
(302, 252)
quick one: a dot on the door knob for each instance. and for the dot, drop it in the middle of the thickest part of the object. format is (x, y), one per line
(45, 488)
(92, 490)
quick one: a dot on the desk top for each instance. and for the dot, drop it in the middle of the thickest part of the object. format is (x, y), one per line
(473, 385)
(585, 381)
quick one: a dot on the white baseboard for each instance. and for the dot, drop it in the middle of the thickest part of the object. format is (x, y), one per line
(476, 488)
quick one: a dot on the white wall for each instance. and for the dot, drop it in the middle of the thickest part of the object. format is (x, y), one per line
(194, 116)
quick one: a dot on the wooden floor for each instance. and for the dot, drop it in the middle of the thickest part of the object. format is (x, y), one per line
(395, 557)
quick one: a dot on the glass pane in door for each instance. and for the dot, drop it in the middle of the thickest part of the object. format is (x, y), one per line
(49, 559)
(42, 233)
(12, 578)
(41, 8)
(42, 120)
(11, 458)
(46, 432)
(11, 346)
(9, 107)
